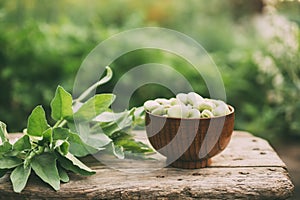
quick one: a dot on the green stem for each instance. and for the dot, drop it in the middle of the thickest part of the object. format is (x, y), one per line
(56, 124)
(105, 79)
(60, 123)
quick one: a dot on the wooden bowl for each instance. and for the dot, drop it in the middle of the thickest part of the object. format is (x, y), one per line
(189, 143)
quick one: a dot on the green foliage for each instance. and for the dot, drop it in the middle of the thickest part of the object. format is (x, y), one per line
(44, 165)
(19, 177)
(39, 153)
(61, 105)
(9, 162)
(50, 150)
(94, 106)
(22, 144)
(37, 122)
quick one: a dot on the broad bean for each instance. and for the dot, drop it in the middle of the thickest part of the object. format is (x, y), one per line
(194, 98)
(178, 111)
(182, 98)
(194, 113)
(205, 105)
(206, 114)
(150, 105)
(160, 110)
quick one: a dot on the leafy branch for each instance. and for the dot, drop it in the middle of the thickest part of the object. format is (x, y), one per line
(51, 151)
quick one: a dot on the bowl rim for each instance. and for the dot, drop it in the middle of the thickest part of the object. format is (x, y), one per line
(231, 108)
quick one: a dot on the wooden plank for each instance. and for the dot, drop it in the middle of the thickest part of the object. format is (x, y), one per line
(211, 183)
(241, 171)
(246, 150)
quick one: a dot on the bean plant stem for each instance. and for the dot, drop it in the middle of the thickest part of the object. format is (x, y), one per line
(95, 85)
(60, 123)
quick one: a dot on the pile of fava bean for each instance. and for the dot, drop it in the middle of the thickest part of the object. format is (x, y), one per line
(190, 105)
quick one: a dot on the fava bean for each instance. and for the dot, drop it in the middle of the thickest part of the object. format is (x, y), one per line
(206, 114)
(205, 105)
(160, 110)
(178, 111)
(220, 110)
(194, 98)
(194, 113)
(182, 97)
(150, 105)
(174, 101)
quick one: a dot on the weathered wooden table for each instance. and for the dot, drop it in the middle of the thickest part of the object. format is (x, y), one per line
(247, 169)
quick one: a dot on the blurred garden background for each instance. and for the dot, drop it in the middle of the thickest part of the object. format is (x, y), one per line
(255, 44)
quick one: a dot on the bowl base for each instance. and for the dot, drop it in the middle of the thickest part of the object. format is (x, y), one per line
(191, 164)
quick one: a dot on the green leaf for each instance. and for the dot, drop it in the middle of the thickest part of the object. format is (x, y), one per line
(130, 144)
(118, 151)
(124, 121)
(98, 140)
(109, 116)
(62, 146)
(95, 138)
(19, 177)
(10, 162)
(83, 130)
(63, 174)
(3, 172)
(11, 153)
(22, 144)
(79, 148)
(37, 122)
(94, 106)
(44, 165)
(70, 162)
(27, 160)
(5, 147)
(61, 105)
(60, 133)
(139, 116)
(47, 137)
(3, 132)
(72, 127)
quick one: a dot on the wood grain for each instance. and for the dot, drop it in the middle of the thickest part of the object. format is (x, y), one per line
(247, 169)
